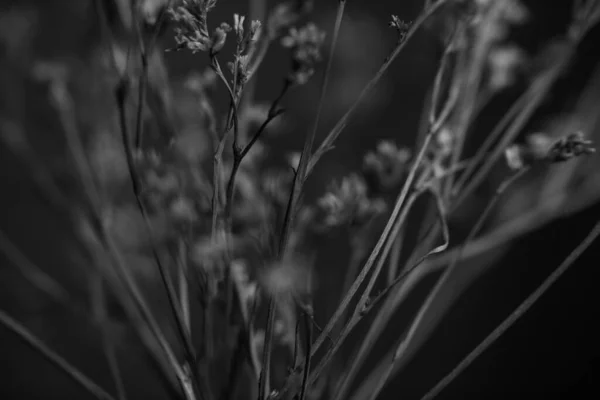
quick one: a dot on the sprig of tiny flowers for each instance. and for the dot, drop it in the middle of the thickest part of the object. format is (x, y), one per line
(541, 148)
(305, 44)
(192, 29)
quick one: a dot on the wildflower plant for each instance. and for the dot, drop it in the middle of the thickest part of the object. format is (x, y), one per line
(229, 237)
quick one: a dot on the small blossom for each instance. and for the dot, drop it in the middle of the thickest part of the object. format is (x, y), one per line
(108, 159)
(200, 82)
(182, 209)
(503, 63)
(238, 25)
(305, 44)
(288, 277)
(219, 37)
(495, 17)
(192, 29)
(347, 202)
(286, 14)
(387, 164)
(514, 157)
(293, 159)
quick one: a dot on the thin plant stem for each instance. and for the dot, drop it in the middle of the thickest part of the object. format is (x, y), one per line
(184, 290)
(416, 324)
(483, 151)
(326, 145)
(516, 314)
(239, 154)
(344, 385)
(299, 179)
(356, 316)
(541, 84)
(308, 325)
(72, 372)
(444, 114)
(384, 313)
(395, 256)
(142, 79)
(124, 274)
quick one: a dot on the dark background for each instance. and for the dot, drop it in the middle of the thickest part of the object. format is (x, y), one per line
(553, 352)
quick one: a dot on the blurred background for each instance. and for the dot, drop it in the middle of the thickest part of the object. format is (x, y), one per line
(552, 352)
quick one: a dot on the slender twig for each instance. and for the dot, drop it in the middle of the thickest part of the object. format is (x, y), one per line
(299, 179)
(121, 95)
(72, 372)
(239, 154)
(516, 314)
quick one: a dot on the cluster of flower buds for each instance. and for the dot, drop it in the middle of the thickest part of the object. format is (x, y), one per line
(192, 27)
(541, 148)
